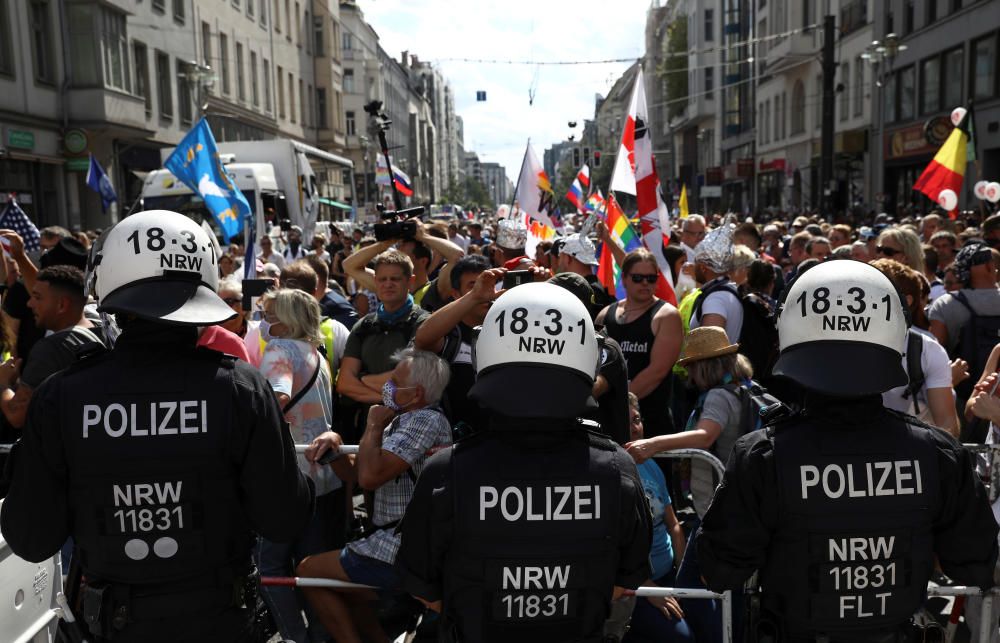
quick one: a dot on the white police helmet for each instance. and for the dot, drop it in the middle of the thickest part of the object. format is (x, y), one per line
(842, 331)
(159, 265)
(536, 354)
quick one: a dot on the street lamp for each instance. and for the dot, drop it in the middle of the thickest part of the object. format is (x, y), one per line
(876, 53)
(199, 77)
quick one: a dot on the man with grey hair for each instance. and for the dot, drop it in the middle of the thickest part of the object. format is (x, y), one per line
(398, 436)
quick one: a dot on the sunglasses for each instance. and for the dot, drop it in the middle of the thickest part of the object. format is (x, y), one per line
(232, 300)
(889, 252)
(638, 279)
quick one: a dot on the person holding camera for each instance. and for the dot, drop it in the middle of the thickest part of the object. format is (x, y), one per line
(412, 239)
(366, 365)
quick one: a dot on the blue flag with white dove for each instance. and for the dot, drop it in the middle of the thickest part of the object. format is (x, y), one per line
(98, 181)
(196, 163)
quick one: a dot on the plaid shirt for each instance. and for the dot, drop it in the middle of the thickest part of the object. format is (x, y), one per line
(409, 436)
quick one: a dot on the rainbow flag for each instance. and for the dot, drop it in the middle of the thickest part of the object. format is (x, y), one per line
(608, 271)
(594, 203)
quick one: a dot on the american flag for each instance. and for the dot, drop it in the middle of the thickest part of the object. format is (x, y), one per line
(14, 218)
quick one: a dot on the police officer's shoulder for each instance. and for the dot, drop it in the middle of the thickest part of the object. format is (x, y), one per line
(224, 360)
(597, 439)
(88, 357)
(941, 437)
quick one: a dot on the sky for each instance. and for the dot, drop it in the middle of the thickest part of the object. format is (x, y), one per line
(498, 129)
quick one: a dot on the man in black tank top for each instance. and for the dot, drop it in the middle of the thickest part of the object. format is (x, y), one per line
(650, 334)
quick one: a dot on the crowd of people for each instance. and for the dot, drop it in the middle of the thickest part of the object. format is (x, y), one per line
(370, 342)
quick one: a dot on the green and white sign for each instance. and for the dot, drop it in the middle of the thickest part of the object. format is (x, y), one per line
(20, 139)
(75, 141)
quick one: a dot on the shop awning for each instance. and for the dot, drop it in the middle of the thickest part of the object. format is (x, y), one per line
(336, 204)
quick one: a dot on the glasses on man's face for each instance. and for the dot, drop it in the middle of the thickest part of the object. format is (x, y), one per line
(887, 251)
(638, 279)
(636, 420)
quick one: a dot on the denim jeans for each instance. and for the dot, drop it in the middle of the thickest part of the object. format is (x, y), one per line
(279, 559)
(705, 616)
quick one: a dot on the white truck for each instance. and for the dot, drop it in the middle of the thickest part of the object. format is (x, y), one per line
(281, 179)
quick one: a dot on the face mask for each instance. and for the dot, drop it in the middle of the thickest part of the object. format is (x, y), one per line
(265, 330)
(389, 395)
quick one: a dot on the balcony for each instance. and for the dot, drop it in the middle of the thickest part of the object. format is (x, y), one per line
(789, 51)
(100, 105)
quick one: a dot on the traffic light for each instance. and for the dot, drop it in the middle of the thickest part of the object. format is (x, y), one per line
(576, 157)
(586, 155)
(597, 158)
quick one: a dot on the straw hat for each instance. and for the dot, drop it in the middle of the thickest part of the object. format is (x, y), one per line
(705, 343)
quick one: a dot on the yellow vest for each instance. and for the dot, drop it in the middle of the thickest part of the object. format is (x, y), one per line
(418, 296)
(686, 310)
(326, 328)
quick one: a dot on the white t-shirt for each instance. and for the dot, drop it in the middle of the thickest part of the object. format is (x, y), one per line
(723, 302)
(937, 374)
(460, 241)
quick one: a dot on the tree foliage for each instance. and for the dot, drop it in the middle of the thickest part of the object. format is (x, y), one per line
(674, 69)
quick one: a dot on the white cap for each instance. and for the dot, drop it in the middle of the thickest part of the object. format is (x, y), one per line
(160, 265)
(842, 331)
(581, 249)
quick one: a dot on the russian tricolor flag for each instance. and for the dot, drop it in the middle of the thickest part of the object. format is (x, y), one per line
(580, 186)
(403, 183)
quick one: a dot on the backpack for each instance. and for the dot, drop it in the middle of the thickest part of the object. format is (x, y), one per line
(758, 408)
(975, 343)
(914, 370)
(759, 333)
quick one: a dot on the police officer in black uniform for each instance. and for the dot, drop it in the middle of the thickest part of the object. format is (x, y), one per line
(524, 531)
(844, 507)
(160, 459)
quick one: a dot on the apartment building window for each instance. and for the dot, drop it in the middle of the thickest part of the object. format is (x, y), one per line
(179, 11)
(6, 52)
(298, 25)
(348, 81)
(206, 43)
(931, 11)
(236, 3)
(291, 97)
(818, 105)
(984, 67)
(281, 92)
(347, 41)
(140, 58)
(254, 85)
(956, 5)
(954, 68)
(183, 95)
(267, 85)
(303, 106)
(889, 115)
(350, 123)
(224, 61)
(321, 109)
(845, 90)
(780, 13)
(41, 41)
(250, 9)
(263, 13)
(709, 82)
(241, 91)
(318, 28)
(159, 6)
(808, 13)
(930, 85)
(767, 121)
(288, 20)
(908, 14)
(334, 40)
(114, 50)
(277, 16)
(307, 21)
(890, 18)
(907, 93)
(784, 114)
(709, 25)
(798, 108)
(859, 86)
(338, 104)
(164, 85)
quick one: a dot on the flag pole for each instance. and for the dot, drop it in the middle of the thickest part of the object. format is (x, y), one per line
(513, 198)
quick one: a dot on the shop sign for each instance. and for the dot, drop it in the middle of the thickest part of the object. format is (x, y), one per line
(775, 165)
(20, 139)
(937, 129)
(78, 164)
(744, 168)
(75, 141)
(908, 141)
(713, 175)
(710, 192)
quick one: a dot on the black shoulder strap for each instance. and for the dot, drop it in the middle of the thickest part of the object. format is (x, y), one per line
(914, 352)
(305, 389)
(960, 298)
(719, 283)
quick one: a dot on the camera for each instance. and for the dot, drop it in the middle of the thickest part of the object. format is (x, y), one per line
(516, 278)
(255, 288)
(285, 225)
(397, 227)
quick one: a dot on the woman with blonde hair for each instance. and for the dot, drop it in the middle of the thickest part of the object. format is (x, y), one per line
(902, 245)
(742, 258)
(300, 377)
